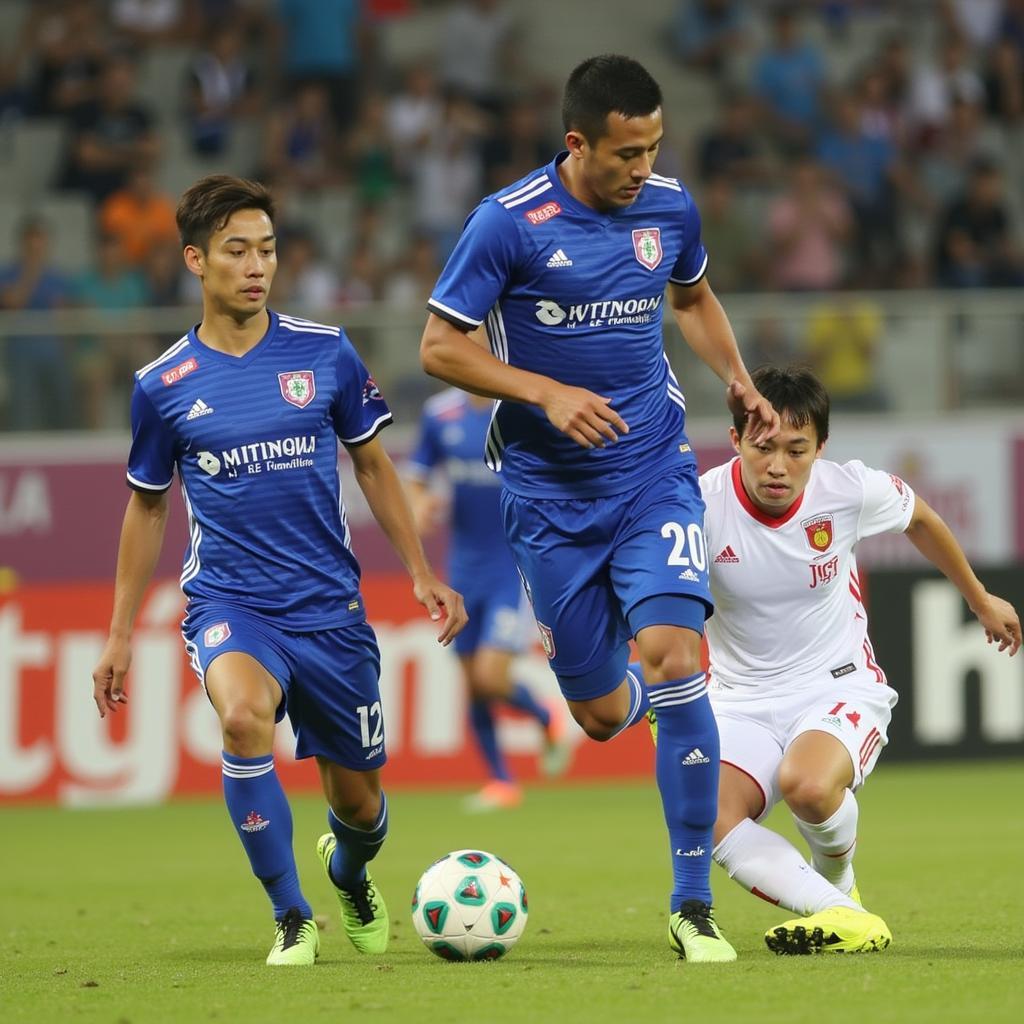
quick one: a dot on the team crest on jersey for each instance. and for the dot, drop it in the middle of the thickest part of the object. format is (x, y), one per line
(216, 635)
(647, 246)
(819, 532)
(298, 387)
(547, 639)
(371, 393)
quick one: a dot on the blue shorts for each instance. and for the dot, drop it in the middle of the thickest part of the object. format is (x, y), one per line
(330, 678)
(598, 570)
(498, 610)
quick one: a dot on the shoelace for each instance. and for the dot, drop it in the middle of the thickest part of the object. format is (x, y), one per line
(698, 914)
(362, 900)
(290, 927)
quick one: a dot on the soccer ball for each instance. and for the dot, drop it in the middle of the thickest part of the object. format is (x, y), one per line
(469, 905)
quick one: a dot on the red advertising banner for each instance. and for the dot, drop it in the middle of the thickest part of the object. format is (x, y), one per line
(166, 741)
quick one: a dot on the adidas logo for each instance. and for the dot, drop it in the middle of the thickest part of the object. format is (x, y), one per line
(690, 575)
(559, 259)
(726, 555)
(199, 408)
(696, 756)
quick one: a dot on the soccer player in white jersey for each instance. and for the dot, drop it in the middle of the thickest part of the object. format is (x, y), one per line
(802, 706)
(572, 267)
(248, 409)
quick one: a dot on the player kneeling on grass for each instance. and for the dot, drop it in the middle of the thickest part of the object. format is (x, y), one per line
(248, 409)
(802, 706)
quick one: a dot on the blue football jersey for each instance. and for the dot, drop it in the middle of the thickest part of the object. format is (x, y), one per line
(254, 440)
(577, 294)
(451, 440)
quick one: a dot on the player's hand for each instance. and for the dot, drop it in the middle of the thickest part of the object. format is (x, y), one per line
(587, 418)
(762, 421)
(1001, 623)
(108, 676)
(444, 604)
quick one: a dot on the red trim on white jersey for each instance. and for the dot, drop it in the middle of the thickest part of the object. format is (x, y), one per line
(774, 522)
(871, 743)
(869, 661)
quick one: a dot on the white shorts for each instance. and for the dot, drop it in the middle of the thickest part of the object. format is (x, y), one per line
(757, 730)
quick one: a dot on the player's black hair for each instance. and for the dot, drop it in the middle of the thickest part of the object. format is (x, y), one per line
(603, 85)
(208, 205)
(796, 393)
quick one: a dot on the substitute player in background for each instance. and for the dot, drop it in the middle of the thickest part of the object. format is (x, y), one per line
(803, 708)
(248, 409)
(601, 505)
(453, 431)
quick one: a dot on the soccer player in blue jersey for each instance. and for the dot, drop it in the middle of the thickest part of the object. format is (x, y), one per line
(248, 409)
(453, 430)
(568, 267)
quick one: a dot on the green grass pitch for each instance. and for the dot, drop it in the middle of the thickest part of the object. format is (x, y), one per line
(150, 915)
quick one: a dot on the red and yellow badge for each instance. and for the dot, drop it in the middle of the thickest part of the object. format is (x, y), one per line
(819, 532)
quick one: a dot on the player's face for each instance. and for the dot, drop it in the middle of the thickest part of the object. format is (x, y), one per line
(613, 169)
(239, 264)
(775, 472)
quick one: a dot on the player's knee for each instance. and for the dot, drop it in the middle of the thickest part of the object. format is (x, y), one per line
(670, 662)
(247, 730)
(359, 812)
(805, 795)
(486, 686)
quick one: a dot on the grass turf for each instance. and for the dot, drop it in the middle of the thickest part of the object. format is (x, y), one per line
(132, 916)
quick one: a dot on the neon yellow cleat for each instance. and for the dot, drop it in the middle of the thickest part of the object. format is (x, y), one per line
(834, 930)
(854, 895)
(693, 934)
(652, 721)
(297, 942)
(364, 915)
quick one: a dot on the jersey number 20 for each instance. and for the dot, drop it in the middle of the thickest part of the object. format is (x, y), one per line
(689, 539)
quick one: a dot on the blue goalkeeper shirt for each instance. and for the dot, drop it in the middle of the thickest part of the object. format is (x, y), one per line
(577, 294)
(254, 441)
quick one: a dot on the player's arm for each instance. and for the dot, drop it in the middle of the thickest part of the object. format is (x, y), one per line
(448, 353)
(706, 329)
(142, 537)
(378, 480)
(934, 539)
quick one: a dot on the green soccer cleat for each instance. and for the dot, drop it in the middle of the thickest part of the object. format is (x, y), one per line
(364, 915)
(652, 721)
(693, 934)
(854, 895)
(833, 930)
(297, 942)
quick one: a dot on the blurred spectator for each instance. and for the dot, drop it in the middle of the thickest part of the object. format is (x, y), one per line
(220, 88)
(477, 50)
(369, 151)
(706, 33)
(139, 217)
(978, 21)
(110, 135)
(867, 168)
(448, 176)
(39, 373)
(767, 343)
(165, 275)
(976, 246)
(936, 85)
(414, 113)
(145, 22)
(67, 40)
(729, 238)
(789, 77)
(1004, 82)
(304, 279)
(842, 341)
(112, 283)
(301, 140)
(881, 116)
(807, 230)
(1012, 24)
(361, 280)
(516, 145)
(412, 279)
(730, 147)
(322, 42)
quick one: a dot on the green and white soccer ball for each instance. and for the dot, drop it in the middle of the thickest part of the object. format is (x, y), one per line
(469, 905)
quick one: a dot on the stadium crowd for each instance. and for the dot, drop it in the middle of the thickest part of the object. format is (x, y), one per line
(893, 174)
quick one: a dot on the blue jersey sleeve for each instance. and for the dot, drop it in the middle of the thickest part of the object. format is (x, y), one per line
(359, 412)
(479, 269)
(427, 453)
(692, 264)
(151, 460)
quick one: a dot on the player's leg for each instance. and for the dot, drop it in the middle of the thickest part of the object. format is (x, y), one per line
(336, 710)
(249, 699)
(357, 814)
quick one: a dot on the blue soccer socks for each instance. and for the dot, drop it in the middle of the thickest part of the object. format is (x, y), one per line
(485, 732)
(260, 813)
(356, 847)
(639, 704)
(687, 765)
(522, 699)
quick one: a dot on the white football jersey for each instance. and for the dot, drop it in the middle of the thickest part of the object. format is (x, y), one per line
(787, 596)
